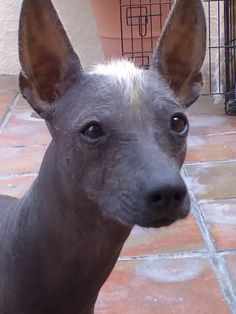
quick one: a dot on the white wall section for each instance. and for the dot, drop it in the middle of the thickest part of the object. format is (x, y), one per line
(77, 18)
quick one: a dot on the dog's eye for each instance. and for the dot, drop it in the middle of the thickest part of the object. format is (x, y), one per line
(93, 131)
(179, 123)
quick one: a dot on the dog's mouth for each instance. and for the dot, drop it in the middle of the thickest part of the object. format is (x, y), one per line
(152, 217)
(150, 220)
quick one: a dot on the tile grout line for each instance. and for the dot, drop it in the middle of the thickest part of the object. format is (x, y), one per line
(199, 217)
(176, 255)
(160, 256)
(224, 281)
(211, 134)
(24, 146)
(209, 162)
(8, 113)
(17, 175)
(226, 252)
(218, 134)
(213, 200)
(216, 261)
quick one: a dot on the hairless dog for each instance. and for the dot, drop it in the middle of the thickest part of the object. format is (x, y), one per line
(118, 145)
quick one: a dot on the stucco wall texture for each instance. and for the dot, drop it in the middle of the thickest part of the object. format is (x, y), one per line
(77, 18)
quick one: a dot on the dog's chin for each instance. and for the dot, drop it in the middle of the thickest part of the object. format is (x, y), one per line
(158, 223)
(150, 223)
(128, 218)
(162, 222)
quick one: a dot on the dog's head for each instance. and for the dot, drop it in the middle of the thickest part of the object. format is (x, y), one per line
(119, 131)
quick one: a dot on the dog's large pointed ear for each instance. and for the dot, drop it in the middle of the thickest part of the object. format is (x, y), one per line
(181, 50)
(49, 63)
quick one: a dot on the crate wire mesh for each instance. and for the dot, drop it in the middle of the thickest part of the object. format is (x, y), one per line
(143, 20)
(230, 56)
(138, 18)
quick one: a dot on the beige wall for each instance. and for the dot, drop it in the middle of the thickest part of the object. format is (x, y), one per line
(77, 18)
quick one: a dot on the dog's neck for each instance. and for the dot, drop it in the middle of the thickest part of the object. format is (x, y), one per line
(70, 247)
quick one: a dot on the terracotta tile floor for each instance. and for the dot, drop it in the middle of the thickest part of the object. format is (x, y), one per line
(189, 267)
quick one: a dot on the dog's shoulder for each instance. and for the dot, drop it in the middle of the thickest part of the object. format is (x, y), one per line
(7, 201)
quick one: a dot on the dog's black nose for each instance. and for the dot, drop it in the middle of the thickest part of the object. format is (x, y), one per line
(166, 193)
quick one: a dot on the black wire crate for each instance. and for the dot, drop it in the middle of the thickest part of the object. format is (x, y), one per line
(230, 56)
(143, 20)
(141, 24)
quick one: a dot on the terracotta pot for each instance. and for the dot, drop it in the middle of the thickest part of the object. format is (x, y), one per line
(130, 29)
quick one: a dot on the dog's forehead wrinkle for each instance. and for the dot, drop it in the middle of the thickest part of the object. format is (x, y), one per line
(135, 88)
(115, 103)
(124, 77)
(123, 94)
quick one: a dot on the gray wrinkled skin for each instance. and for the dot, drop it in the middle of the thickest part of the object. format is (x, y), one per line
(60, 242)
(139, 147)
